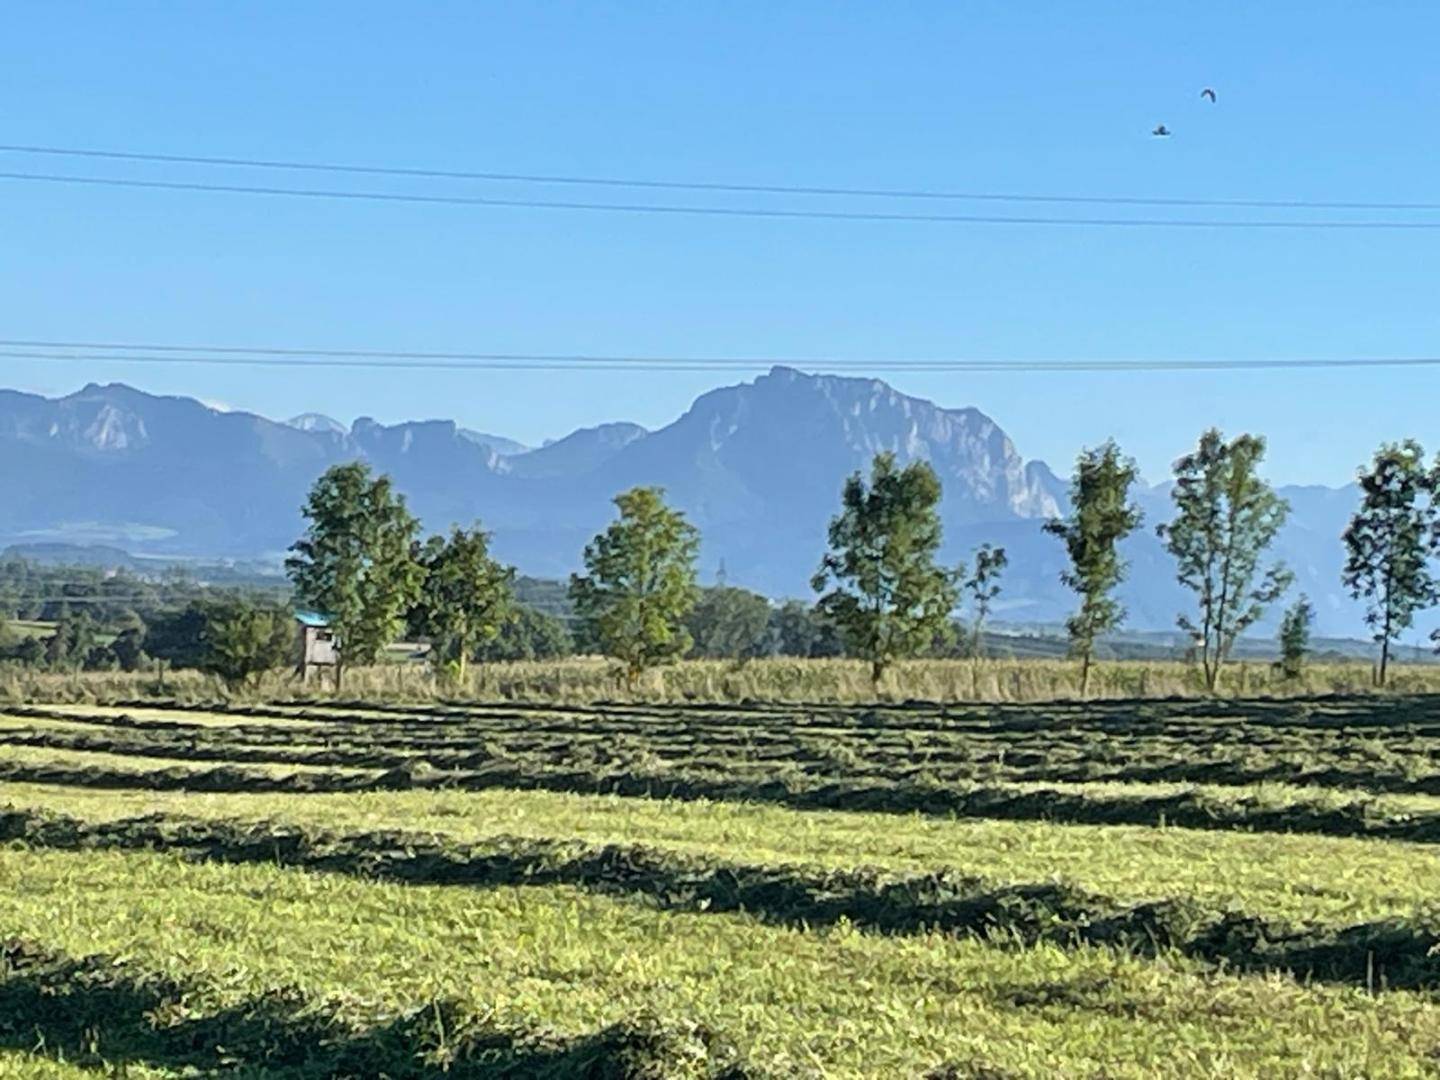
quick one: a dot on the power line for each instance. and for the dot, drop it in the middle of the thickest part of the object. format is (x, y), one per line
(339, 358)
(715, 186)
(724, 211)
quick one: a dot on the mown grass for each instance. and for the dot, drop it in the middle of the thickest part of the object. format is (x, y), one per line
(589, 679)
(837, 891)
(833, 1003)
(1287, 877)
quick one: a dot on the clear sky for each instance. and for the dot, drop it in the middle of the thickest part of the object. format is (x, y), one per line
(1324, 101)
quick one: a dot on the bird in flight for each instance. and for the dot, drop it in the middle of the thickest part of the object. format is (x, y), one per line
(1160, 129)
(1208, 93)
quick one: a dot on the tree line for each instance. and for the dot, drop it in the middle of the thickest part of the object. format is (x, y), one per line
(882, 593)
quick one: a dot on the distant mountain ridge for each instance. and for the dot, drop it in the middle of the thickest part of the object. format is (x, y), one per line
(757, 466)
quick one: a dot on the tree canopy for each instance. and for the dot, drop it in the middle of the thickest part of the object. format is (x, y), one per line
(886, 594)
(1225, 518)
(639, 588)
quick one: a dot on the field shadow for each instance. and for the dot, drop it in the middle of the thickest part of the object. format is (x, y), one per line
(100, 1014)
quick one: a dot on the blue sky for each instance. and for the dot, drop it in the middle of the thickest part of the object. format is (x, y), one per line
(1317, 101)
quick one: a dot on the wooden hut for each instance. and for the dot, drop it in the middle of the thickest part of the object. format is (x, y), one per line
(317, 648)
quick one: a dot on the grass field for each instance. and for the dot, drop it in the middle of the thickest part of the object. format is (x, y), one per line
(582, 680)
(1105, 889)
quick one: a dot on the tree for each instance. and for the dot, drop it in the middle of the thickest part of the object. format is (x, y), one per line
(129, 648)
(466, 598)
(983, 586)
(1295, 637)
(242, 640)
(1389, 542)
(798, 629)
(1101, 515)
(1225, 518)
(70, 643)
(530, 635)
(177, 637)
(355, 562)
(887, 596)
(641, 583)
(728, 623)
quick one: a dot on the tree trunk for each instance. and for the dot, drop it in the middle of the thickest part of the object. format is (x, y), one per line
(877, 672)
(1085, 673)
(1384, 658)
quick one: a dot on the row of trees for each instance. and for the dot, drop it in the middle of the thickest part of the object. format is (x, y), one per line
(883, 594)
(1226, 517)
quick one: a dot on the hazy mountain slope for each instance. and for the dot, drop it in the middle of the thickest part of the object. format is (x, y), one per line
(757, 466)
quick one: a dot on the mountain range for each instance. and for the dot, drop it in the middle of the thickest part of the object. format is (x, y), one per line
(757, 467)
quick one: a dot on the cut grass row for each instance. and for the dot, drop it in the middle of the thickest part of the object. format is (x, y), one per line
(1271, 808)
(1303, 879)
(870, 749)
(104, 1011)
(1351, 767)
(834, 1002)
(1378, 955)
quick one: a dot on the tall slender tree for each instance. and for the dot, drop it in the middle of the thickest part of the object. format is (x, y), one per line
(1389, 543)
(1225, 518)
(886, 594)
(1295, 637)
(640, 586)
(466, 598)
(355, 562)
(982, 585)
(1101, 515)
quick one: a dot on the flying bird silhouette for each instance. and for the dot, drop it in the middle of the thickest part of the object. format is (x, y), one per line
(1160, 129)
(1207, 92)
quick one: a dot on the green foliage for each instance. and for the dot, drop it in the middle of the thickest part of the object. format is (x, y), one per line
(45, 591)
(982, 585)
(1225, 518)
(241, 640)
(128, 648)
(640, 586)
(466, 599)
(729, 623)
(70, 645)
(1390, 540)
(796, 628)
(529, 635)
(887, 596)
(178, 637)
(355, 563)
(1295, 637)
(1101, 516)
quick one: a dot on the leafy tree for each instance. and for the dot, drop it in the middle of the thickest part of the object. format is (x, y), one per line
(355, 561)
(887, 596)
(1295, 637)
(796, 628)
(1226, 516)
(530, 635)
(466, 598)
(1389, 542)
(1101, 516)
(129, 648)
(640, 588)
(178, 637)
(70, 643)
(983, 586)
(29, 651)
(728, 622)
(242, 640)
